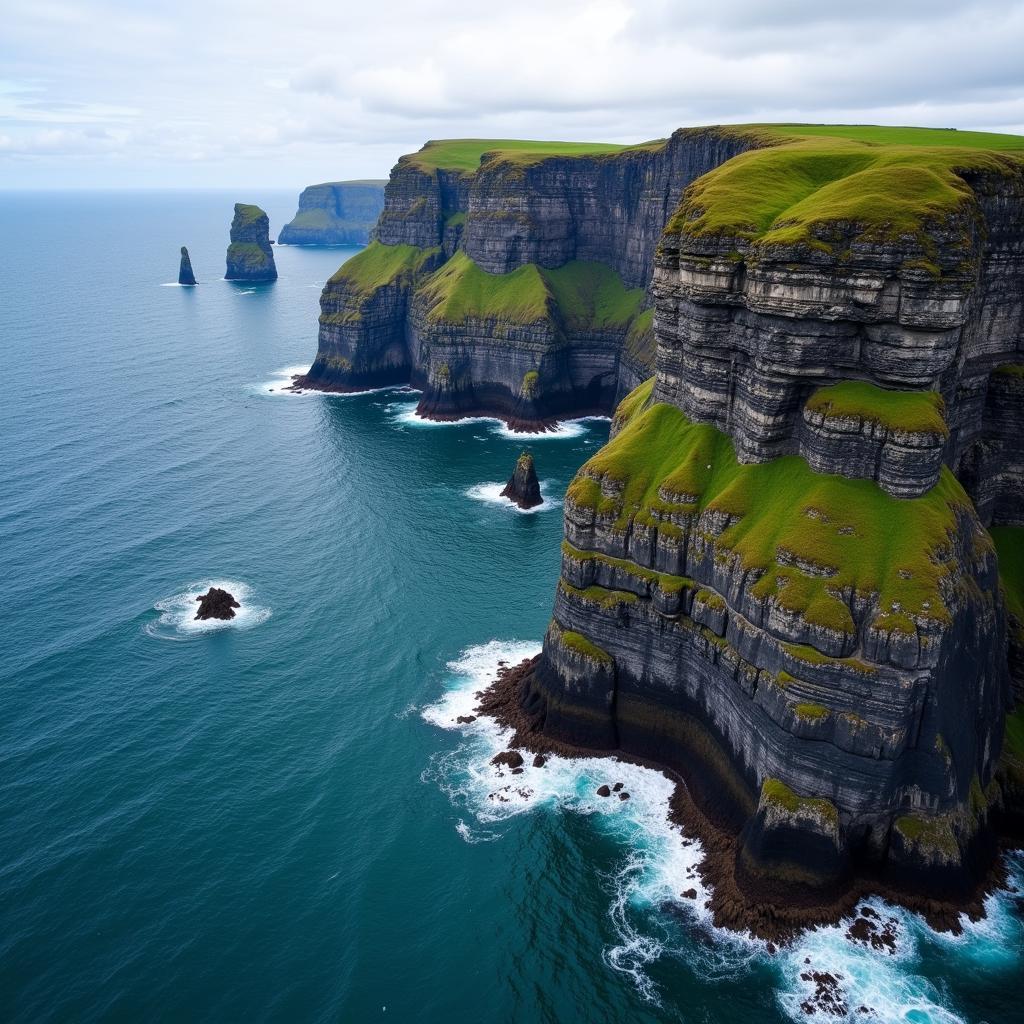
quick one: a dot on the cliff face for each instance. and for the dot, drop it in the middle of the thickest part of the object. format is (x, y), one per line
(773, 580)
(250, 257)
(335, 213)
(495, 229)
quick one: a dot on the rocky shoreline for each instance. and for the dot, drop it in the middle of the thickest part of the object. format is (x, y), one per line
(739, 904)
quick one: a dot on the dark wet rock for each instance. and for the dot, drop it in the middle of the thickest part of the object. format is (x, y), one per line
(603, 791)
(185, 275)
(523, 487)
(689, 894)
(250, 257)
(866, 932)
(216, 604)
(617, 787)
(465, 719)
(623, 796)
(511, 758)
(539, 761)
(828, 995)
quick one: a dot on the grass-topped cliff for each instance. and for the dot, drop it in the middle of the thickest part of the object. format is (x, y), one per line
(811, 538)
(876, 183)
(465, 155)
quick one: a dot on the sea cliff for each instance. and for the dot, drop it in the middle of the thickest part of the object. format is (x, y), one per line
(510, 278)
(777, 579)
(335, 213)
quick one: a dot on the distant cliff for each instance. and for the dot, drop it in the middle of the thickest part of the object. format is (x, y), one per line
(250, 256)
(509, 278)
(335, 213)
(776, 577)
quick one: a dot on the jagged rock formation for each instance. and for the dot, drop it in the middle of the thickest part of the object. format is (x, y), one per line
(511, 282)
(185, 275)
(523, 487)
(773, 580)
(335, 213)
(216, 603)
(250, 257)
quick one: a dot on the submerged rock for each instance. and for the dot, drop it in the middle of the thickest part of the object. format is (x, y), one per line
(216, 604)
(185, 275)
(523, 486)
(250, 257)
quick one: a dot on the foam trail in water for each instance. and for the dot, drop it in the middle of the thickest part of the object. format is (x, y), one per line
(178, 613)
(662, 864)
(404, 414)
(284, 378)
(491, 494)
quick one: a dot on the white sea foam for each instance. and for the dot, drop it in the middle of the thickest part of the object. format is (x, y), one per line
(404, 414)
(177, 618)
(491, 494)
(178, 284)
(662, 864)
(283, 379)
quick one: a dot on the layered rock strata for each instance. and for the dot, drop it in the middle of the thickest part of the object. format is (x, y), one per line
(335, 213)
(528, 300)
(250, 256)
(773, 581)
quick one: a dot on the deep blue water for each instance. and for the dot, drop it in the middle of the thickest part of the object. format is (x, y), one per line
(277, 820)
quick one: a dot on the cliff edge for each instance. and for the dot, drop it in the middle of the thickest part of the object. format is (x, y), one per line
(777, 579)
(335, 213)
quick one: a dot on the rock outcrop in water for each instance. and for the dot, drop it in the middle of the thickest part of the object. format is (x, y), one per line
(335, 213)
(511, 282)
(776, 577)
(185, 275)
(523, 487)
(250, 256)
(216, 603)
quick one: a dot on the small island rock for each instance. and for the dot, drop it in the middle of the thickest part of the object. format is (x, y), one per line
(216, 604)
(523, 486)
(185, 275)
(250, 257)
(603, 791)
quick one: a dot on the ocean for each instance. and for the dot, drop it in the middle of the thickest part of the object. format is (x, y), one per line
(279, 818)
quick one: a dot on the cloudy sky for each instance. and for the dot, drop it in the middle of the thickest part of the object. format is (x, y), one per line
(114, 93)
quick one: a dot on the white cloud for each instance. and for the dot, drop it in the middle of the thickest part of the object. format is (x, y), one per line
(103, 92)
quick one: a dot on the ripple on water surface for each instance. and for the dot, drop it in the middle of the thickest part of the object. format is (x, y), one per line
(885, 985)
(177, 614)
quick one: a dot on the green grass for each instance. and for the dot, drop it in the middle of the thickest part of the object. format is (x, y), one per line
(888, 135)
(465, 154)
(867, 540)
(1010, 370)
(777, 792)
(911, 411)
(668, 583)
(248, 253)
(246, 214)
(378, 265)
(930, 833)
(1009, 541)
(578, 643)
(584, 296)
(811, 712)
(641, 343)
(794, 193)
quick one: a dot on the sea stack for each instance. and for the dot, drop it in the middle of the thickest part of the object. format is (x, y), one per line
(523, 488)
(185, 275)
(216, 604)
(250, 257)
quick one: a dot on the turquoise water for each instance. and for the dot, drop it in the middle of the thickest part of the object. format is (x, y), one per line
(278, 819)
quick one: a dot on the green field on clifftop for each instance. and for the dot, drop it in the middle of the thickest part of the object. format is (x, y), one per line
(889, 135)
(917, 412)
(465, 154)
